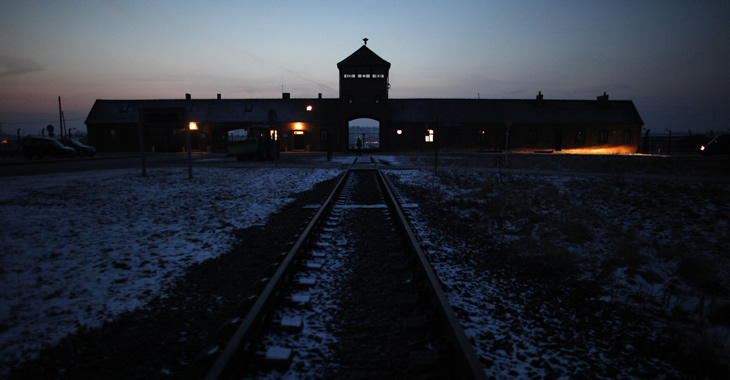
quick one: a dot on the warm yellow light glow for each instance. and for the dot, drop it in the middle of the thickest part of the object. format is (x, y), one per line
(622, 149)
(274, 134)
(608, 150)
(193, 126)
(298, 126)
(429, 136)
(309, 108)
(400, 132)
(298, 132)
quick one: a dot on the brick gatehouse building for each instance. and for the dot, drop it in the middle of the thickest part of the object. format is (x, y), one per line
(364, 110)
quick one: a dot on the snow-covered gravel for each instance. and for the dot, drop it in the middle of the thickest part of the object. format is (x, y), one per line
(78, 249)
(630, 238)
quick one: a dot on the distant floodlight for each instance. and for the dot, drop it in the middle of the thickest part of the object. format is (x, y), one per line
(309, 107)
(400, 131)
(193, 126)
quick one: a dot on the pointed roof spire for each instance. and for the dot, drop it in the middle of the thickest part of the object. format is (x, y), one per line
(363, 57)
(365, 40)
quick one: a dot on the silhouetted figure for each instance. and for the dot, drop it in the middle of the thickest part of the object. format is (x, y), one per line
(359, 146)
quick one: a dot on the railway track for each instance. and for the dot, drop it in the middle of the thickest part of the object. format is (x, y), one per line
(354, 297)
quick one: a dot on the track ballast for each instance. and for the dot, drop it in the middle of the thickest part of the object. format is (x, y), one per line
(353, 298)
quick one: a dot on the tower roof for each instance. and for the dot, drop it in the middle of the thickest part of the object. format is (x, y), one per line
(363, 57)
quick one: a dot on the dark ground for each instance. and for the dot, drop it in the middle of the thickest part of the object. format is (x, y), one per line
(168, 338)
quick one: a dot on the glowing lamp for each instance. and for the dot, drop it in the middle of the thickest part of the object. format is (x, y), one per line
(193, 126)
(400, 131)
(298, 126)
(309, 107)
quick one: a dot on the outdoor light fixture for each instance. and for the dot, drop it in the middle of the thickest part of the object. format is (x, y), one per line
(309, 107)
(400, 131)
(193, 126)
(298, 126)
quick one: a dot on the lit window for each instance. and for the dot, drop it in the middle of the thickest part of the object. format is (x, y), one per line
(274, 135)
(429, 136)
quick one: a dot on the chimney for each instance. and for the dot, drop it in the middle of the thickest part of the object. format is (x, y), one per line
(219, 96)
(187, 97)
(285, 95)
(603, 100)
(319, 95)
(539, 98)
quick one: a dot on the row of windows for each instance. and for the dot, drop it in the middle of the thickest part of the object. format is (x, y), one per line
(579, 137)
(603, 137)
(364, 76)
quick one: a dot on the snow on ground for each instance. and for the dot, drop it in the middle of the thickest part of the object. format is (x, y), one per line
(78, 249)
(642, 231)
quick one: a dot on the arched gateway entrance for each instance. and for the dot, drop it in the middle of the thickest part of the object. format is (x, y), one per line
(363, 92)
(367, 130)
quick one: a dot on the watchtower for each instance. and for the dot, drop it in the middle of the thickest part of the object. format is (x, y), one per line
(363, 89)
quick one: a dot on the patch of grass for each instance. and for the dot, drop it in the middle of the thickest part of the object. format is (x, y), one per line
(720, 315)
(575, 231)
(693, 268)
(625, 253)
(701, 355)
(542, 258)
(710, 191)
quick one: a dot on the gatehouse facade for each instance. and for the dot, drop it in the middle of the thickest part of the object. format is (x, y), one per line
(364, 110)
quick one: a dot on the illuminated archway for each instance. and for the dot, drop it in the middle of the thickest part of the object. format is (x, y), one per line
(367, 130)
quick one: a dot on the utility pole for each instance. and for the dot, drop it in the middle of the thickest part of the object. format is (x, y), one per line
(60, 117)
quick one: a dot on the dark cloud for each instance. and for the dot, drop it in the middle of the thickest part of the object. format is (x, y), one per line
(17, 66)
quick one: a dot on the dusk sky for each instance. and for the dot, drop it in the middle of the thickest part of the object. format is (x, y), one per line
(670, 57)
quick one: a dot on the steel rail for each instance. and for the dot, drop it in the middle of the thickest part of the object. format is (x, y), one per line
(266, 299)
(473, 368)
